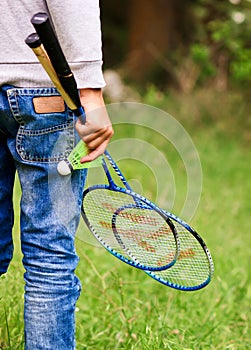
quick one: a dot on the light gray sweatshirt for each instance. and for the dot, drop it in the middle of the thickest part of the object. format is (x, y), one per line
(77, 24)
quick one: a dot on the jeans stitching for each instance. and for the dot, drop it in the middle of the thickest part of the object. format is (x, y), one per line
(23, 132)
(23, 153)
(27, 132)
(14, 107)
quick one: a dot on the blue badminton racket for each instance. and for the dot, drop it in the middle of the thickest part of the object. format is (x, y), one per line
(193, 269)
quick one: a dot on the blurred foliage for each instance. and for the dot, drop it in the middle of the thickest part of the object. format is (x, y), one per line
(224, 32)
(214, 52)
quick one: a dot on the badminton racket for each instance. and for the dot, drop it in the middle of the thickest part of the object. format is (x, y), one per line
(193, 269)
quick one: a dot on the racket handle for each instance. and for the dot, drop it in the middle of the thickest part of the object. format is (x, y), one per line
(34, 42)
(46, 33)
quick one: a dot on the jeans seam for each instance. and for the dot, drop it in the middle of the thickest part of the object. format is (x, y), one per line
(14, 107)
(44, 131)
(51, 159)
(13, 95)
(13, 102)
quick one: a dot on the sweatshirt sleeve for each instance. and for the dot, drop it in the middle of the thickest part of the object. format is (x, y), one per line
(78, 27)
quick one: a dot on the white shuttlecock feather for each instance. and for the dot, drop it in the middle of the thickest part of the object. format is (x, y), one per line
(66, 167)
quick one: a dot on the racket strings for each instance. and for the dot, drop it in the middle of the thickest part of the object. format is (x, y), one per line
(136, 228)
(193, 266)
(129, 227)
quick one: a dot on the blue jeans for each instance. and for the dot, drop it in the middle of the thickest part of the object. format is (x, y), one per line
(32, 143)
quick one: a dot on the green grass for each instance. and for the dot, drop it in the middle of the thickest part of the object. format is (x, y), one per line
(122, 308)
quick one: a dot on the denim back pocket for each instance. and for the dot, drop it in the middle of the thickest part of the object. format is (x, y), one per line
(45, 134)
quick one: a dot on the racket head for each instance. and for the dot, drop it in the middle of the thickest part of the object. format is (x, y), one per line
(155, 240)
(194, 267)
(130, 227)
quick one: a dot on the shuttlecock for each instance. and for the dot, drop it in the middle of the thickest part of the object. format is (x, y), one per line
(66, 167)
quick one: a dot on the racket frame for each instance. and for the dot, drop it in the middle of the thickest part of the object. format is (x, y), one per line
(187, 227)
(203, 245)
(138, 199)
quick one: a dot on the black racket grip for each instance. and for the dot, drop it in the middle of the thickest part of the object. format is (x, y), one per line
(47, 35)
(33, 41)
(45, 31)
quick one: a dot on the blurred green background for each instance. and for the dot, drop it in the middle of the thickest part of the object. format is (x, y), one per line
(179, 44)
